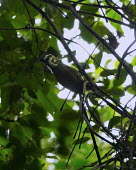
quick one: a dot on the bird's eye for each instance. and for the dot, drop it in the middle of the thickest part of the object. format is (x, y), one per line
(54, 60)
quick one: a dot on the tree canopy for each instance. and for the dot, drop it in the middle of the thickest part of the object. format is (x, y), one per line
(40, 129)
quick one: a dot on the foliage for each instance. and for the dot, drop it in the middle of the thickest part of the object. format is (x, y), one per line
(34, 133)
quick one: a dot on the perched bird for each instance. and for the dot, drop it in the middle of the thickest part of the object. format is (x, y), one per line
(67, 76)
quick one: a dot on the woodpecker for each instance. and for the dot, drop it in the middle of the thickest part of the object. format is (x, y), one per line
(67, 76)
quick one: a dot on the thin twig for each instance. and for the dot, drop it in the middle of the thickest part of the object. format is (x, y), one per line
(102, 11)
(92, 134)
(36, 38)
(123, 57)
(108, 18)
(100, 123)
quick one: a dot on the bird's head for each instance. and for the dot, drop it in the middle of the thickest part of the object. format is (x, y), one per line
(49, 60)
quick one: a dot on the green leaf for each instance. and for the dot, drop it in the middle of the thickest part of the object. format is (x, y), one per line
(114, 121)
(81, 140)
(19, 21)
(68, 21)
(134, 61)
(132, 89)
(86, 35)
(20, 134)
(3, 141)
(36, 165)
(49, 100)
(132, 8)
(115, 15)
(97, 59)
(28, 81)
(5, 95)
(126, 2)
(108, 72)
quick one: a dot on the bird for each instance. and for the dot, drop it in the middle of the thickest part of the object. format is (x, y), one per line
(67, 76)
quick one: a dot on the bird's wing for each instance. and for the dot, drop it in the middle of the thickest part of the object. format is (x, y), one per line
(68, 77)
(73, 73)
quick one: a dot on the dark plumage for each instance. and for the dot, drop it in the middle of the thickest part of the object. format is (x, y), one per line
(65, 75)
